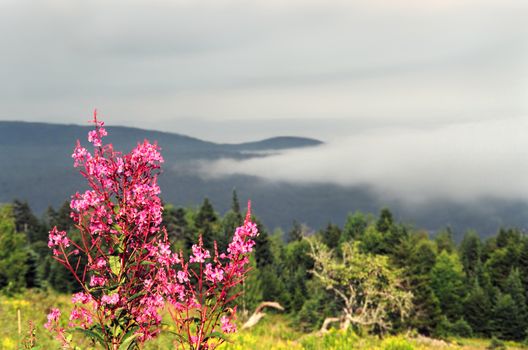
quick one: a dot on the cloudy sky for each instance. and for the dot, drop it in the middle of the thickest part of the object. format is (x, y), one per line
(432, 93)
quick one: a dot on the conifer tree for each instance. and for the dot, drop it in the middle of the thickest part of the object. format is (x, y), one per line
(385, 221)
(518, 322)
(296, 232)
(470, 254)
(447, 281)
(477, 309)
(373, 241)
(235, 205)
(500, 263)
(26, 222)
(175, 223)
(355, 227)
(444, 241)
(330, 236)
(523, 263)
(263, 253)
(426, 307)
(205, 222)
(504, 315)
(13, 253)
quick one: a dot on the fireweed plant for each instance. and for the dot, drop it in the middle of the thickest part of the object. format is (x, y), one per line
(124, 265)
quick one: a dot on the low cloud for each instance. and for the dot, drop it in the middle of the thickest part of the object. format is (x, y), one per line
(463, 161)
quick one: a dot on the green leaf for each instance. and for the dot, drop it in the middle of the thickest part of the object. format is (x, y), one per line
(129, 339)
(115, 264)
(92, 334)
(180, 337)
(218, 335)
(137, 295)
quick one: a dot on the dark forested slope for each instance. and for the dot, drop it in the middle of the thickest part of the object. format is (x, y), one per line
(36, 166)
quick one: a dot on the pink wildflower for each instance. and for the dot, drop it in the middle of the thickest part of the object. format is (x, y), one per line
(182, 276)
(110, 299)
(227, 325)
(57, 238)
(81, 297)
(100, 263)
(97, 281)
(199, 253)
(53, 317)
(214, 274)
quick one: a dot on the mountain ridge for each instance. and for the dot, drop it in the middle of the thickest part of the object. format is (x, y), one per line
(276, 142)
(36, 165)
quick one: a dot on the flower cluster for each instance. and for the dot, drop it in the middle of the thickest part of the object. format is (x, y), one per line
(123, 260)
(53, 326)
(119, 221)
(210, 293)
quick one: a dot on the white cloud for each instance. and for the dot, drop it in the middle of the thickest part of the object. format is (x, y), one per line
(463, 162)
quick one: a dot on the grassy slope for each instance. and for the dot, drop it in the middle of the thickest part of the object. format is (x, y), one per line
(273, 333)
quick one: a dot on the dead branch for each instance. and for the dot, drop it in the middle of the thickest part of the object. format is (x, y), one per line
(327, 322)
(258, 314)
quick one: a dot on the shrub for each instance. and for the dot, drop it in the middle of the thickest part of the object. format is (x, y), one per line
(332, 340)
(462, 329)
(496, 344)
(396, 343)
(443, 329)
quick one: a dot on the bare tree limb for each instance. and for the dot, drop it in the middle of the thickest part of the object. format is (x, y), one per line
(327, 322)
(258, 314)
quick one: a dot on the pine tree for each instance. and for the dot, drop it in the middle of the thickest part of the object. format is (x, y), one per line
(205, 223)
(420, 261)
(523, 263)
(60, 218)
(447, 281)
(444, 241)
(229, 223)
(373, 241)
(263, 253)
(397, 234)
(235, 205)
(518, 322)
(477, 309)
(296, 232)
(175, 221)
(318, 304)
(13, 253)
(355, 227)
(504, 314)
(385, 221)
(330, 235)
(470, 254)
(500, 263)
(50, 216)
(297, 264)
(507, 237)
(26, 222)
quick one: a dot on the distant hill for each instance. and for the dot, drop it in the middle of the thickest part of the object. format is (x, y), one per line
(276, 143)
(44, 135)
(36, 165)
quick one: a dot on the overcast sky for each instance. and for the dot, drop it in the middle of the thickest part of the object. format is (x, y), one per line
(417, 80)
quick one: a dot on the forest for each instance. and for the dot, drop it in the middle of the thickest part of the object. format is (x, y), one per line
(403, 278)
